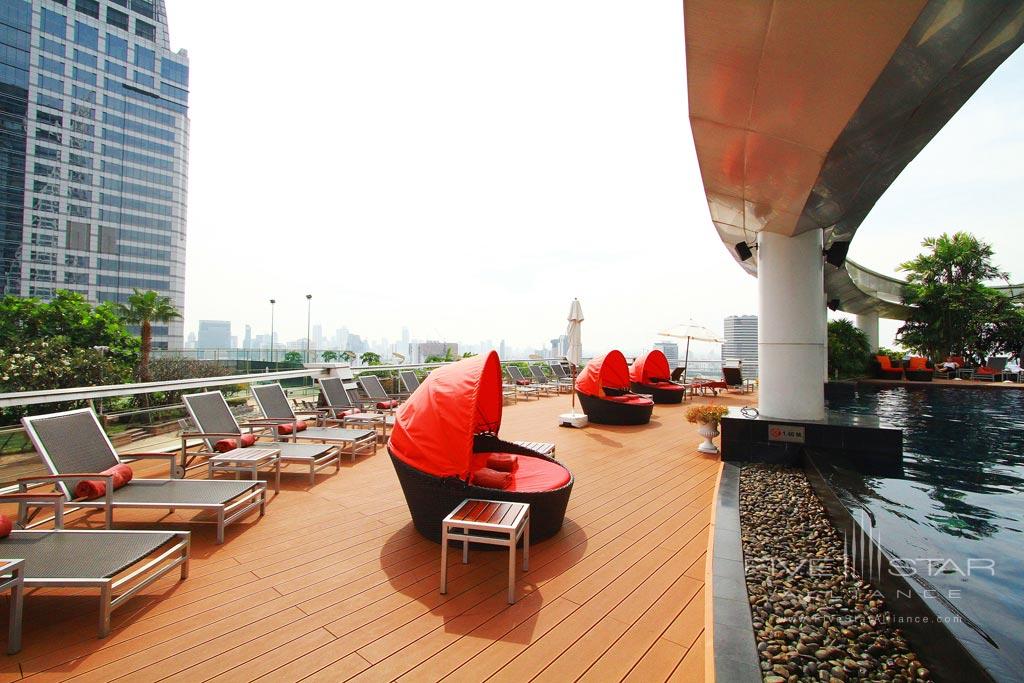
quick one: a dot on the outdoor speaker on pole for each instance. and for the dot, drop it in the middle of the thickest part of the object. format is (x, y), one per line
(836, 253)
(743, 251)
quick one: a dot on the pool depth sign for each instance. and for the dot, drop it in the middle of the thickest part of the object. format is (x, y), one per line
(787, 433)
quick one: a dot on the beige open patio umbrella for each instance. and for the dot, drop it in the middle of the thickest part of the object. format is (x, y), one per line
(691, 331)
(574, 354)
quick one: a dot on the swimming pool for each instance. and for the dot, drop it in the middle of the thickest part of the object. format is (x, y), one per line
(956, 512)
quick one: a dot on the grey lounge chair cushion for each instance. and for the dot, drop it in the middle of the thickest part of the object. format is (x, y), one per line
(299, 451)
(333, 390)
(179, 492)
(73, 443)
(336, 434)
(273, 401)
(80, 554)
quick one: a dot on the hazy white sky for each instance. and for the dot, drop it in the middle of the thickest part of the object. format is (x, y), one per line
(465, 168)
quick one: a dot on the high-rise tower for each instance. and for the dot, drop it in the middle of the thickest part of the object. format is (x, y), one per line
(94, 148)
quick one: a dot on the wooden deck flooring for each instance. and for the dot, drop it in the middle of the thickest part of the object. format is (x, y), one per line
(334, 583)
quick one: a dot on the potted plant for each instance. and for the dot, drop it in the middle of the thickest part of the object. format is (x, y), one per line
(707, 417)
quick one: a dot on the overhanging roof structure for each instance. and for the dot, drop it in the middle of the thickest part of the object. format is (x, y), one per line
(803, 113)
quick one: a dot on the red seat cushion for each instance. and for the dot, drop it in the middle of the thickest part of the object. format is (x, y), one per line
(96, 488)
(983, 370)
(532, 475)
(384, 405)
(491, 479)
(5, 526)
(287, 429)
(503, 462)
(225, 445)
(917, 363)
(631, 399)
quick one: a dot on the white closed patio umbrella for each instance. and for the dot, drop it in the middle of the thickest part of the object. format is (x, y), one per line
(574, 354)
(691, 331)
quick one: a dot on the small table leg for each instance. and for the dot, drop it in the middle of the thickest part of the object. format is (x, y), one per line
(465, 547)
(512, 568)
(444, 559)
(526, 543)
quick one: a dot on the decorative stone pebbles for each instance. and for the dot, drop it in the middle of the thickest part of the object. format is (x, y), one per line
(815, 619)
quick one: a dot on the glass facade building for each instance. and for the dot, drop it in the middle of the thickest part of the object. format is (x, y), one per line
(741, 342)
(93, 152)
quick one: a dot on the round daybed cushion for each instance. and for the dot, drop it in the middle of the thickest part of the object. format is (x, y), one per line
(666, 386)
(533, 474)
(630, 399)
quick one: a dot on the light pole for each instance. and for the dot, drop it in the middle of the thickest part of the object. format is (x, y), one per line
(309, 308)
(272, 302)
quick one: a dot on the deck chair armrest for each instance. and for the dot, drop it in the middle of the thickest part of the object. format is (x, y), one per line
(39, 499)
(67, 476)
(204, 435)
(269, 422)
(171, 458)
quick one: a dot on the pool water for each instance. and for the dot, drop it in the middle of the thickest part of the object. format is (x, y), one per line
(957, 508)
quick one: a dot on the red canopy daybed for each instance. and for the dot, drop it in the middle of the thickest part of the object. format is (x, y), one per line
(603, 389)
(444, 434)
(649, 374)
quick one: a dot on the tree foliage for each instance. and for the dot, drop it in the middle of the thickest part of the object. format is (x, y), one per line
(329, 356)
(953, 311)
(848, 350)
(370, 358)
(68, 316)
(293, 357)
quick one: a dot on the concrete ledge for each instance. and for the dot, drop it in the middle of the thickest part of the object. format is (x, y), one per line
(734, 650)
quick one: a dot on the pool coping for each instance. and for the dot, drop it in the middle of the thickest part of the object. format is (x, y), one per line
(732, 648)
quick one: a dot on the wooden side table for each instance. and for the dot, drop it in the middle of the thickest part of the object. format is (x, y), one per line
(249, 460)
(12, 578)
(495, 523)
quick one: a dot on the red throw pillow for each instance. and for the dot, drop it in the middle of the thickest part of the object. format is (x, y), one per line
(96, 488)
(986, 371)
(384, 405)
(5, 526)
(503, 462)
(225, 445)
(523, 382)
(491, 479)
(917, 363)
(285, 429)
(347, 412)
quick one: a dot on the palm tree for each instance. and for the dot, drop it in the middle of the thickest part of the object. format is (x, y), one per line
(144, 309)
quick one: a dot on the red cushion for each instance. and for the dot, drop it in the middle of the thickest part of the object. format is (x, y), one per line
(523, 382)
(225, 445)
(503, 462)
(287, 429)
(97, 488)
(631, 399)
(983, 370)
(384, 405)
(668, 386)
(5, 526)
(347, 412)
(917, 363)
(491, 479)
(532, 475)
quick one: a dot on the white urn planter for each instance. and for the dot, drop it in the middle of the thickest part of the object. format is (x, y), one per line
(708, 430)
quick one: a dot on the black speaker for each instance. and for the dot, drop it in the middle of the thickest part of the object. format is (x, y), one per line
(743, 251)
(833, 304)
(836, 254)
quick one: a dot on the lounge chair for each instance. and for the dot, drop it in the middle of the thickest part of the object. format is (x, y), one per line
(216, 424)
(445, 433)
(733, 378)
(883, 368)
(603, 390)
(542, 380)
(649, 374)
(376, 395)
(993, 370)
(526, 384)
(336, 406)
(118, 564)
(410, 380)
(273, 402)
(561, 375)
(75, 448)
(918, 369)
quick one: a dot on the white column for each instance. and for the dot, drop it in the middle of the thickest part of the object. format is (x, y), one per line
(868, 324)
(791, 326)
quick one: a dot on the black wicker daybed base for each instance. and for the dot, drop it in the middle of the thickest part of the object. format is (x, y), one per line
(664, 396)
(431, 498)
(601, 411)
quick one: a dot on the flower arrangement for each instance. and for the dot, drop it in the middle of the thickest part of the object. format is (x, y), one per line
(706, 414)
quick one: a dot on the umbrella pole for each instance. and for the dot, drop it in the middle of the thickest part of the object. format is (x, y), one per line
(573, 391)
(686, 360)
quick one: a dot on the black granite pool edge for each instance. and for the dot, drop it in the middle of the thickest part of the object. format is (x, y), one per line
(734, 647)
(948, 658)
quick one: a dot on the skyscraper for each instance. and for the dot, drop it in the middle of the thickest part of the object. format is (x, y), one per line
(214, 334)
(671, 351)
(741, 342)
(94, 143)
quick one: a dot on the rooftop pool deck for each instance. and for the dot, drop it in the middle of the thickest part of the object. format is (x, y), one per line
(335, 584)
